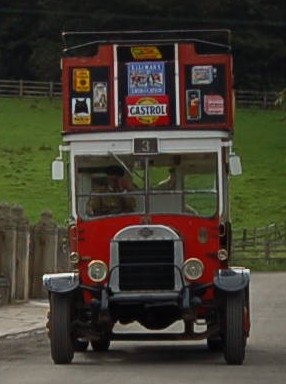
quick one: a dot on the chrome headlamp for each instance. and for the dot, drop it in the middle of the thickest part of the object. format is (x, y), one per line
(193, 269)
(97, 270)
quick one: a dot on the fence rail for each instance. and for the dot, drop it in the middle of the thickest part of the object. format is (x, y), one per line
(255, 99)
(21, 88)
(51, 89)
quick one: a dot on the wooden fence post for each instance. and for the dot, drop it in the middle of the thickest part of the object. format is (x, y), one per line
(51, 89)
(21, 88)
(4, 291)
(22, 254)
(244, 237)
(44, 257)
(4, 283)
(267, 247)
(267, 254)
(8, 248)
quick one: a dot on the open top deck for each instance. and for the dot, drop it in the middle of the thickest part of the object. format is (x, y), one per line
(208, 41)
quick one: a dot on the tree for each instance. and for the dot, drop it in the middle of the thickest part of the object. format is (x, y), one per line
(30, 34)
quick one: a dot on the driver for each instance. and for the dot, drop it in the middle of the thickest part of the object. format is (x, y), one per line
(115, 182)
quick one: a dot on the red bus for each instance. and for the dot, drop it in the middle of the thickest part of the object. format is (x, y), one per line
(147, 138)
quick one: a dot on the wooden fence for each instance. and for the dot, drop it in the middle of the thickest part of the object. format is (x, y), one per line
(51, 89)
(27, 252)
(21, 88)
(255, 99)
(266, 244)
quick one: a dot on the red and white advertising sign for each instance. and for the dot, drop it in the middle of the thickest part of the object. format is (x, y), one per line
(147, 110)
(213, 105)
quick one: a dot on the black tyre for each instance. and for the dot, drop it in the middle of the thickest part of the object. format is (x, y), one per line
(60, 329)
(234, 336)
(101, 345)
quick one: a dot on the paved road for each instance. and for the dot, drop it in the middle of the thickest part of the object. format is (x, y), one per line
(27, 360)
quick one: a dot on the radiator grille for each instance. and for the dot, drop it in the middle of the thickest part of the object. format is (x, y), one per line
(146, 265)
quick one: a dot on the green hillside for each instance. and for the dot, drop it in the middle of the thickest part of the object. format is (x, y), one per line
(258, 195)
(30, 135)
(29, 139)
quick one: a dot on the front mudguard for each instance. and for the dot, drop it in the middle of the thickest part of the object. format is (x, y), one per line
(61, 282)
(232, 279)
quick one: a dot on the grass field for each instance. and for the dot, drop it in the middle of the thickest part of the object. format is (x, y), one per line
(30, 135)
(258, 195)
(29, 139)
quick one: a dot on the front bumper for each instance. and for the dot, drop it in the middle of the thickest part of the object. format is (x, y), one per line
(61, 282)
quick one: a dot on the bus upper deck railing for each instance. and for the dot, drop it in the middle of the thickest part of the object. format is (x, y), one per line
(218, 39)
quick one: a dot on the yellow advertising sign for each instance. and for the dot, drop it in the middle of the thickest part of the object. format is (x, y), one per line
(81, 120)
(146, 53)
(81, 80)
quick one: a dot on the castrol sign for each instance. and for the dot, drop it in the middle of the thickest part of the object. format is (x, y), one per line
(147, 110)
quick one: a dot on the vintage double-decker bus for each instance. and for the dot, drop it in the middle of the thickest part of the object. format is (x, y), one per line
(147, 135)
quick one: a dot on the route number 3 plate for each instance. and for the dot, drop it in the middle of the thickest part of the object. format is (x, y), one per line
(146, 146)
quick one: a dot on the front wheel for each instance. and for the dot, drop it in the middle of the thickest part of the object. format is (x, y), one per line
(234, 332)
(60, 329)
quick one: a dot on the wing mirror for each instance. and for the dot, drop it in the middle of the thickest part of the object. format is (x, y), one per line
(58, 164)
(235, 165)
(58, 169)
